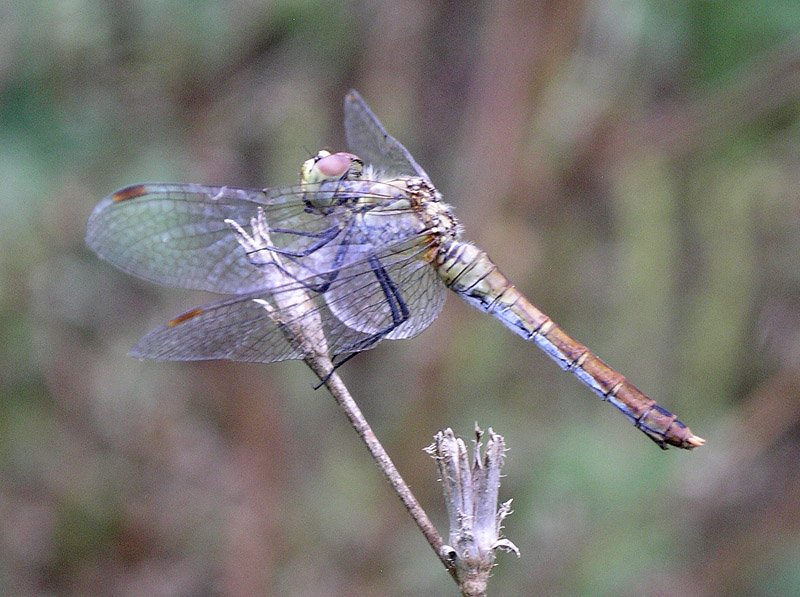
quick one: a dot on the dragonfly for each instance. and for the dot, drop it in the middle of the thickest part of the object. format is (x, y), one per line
(364, 247)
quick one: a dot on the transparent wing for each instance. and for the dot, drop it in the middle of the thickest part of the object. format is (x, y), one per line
(367, 138)
(367, 306)
(175, 234)
(240, 329)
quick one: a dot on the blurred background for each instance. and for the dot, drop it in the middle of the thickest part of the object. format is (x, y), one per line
(632, 166)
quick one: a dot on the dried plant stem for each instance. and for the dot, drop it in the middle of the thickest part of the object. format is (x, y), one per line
(294, 312)
(322, 366)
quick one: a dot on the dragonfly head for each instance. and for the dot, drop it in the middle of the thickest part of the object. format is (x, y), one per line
(327, 166)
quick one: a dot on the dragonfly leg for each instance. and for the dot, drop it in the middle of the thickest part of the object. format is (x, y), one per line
(397, 306)
(258, 247)
(323, 237)
(333, 272)
(327, 278)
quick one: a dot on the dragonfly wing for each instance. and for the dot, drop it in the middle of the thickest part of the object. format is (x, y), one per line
(241, 329)
(363, 303)
(175, 234)
(238, 329)
(367, 138)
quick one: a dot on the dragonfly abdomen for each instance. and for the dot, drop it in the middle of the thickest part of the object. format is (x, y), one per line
(468, 271)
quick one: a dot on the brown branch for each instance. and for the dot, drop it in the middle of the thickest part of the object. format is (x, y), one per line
(295, 313)
(322, 366)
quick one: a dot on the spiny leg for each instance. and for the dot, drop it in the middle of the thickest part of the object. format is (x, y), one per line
(258, 248)
(324, 237)
(329, 276)
(397, 306)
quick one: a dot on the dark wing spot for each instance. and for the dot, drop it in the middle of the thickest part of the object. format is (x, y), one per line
(131, 192)
(185, 317)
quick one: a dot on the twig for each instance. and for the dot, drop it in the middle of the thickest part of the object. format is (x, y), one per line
(301, 323)
(470, 491)
(322, 368)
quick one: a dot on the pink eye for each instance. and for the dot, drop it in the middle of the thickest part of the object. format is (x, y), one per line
(335, 165)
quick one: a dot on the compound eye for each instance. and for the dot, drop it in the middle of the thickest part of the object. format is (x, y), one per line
(337, 165)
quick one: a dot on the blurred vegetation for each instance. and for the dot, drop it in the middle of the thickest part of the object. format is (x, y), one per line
(632, 166)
